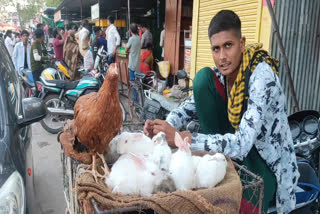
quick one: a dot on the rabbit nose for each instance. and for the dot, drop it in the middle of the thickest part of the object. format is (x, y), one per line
(163, 135)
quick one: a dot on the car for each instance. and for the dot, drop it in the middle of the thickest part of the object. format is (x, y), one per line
(16, 115)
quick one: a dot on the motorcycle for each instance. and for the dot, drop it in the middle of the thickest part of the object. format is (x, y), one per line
(60, 96)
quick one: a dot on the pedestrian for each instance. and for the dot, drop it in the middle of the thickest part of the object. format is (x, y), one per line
(103, 42)
(84, 46)
(43, 45)
(71, 54)
(133, 48)
(21, 53)
(146, 36)
(9, 42)
(58, 43)
(95, 43)
(37, 57)
(162, 38)
(113, 40)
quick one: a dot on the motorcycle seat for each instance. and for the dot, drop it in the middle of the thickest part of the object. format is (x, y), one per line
(64, 84)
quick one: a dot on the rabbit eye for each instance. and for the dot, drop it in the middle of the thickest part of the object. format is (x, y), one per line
(126, 141)
(152, 173)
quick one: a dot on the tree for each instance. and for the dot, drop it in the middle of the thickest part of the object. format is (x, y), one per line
(28, 10)
(52, 3)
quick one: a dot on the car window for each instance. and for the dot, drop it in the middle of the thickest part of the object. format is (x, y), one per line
(11, 81)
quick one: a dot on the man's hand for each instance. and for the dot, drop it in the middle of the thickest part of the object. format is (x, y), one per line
(148, 128)
(164, 126)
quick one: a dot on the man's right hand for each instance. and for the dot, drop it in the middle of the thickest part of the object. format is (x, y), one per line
(148, 128)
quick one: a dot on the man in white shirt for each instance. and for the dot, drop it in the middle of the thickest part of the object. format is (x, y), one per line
(84, 46)
(10, 42)
(113, 40)
(21, 53)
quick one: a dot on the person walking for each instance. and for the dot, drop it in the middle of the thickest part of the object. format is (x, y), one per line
(9, 42)
(21, 53)
(58, 44)
(133, 48)
(113, 40)
(162, 38)
(146, 36)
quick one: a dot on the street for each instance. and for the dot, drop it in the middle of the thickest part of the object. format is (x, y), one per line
(47, 171)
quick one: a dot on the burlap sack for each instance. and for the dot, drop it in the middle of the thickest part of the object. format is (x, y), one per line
(224, 198)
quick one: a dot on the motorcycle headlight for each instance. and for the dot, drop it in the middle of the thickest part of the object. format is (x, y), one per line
(310, 125)
(12, 195)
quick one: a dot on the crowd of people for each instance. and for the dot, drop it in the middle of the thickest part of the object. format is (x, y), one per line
(76, 47)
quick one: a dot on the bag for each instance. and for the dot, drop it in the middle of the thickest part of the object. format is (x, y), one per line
(164, 68)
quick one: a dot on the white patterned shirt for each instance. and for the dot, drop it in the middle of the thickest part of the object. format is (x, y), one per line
(264, 125)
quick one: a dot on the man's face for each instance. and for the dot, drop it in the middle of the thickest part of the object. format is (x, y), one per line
(227, 49)
(25, 38)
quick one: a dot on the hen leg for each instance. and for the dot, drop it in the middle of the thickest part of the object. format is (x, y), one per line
(93, 170)
(105, 168)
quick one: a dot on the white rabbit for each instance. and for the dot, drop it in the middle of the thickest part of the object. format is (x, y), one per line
(211, 170)
(126, 142)
(181, 166)
(195, 160)
(135, 174)
(161, 153)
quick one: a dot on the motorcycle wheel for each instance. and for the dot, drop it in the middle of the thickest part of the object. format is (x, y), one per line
(54, 123)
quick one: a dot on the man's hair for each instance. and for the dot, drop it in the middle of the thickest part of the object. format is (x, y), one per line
(134, 28)
(24, 32)
(85, 23)
(111, 19)
(39, 25)
(55, 33)
(8, 32)
(223, 21)
(38, 33)
(96, 29)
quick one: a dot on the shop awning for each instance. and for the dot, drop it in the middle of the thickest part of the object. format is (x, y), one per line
(71, 9)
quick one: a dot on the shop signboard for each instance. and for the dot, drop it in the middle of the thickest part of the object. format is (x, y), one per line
(95, 11)
(57, 16)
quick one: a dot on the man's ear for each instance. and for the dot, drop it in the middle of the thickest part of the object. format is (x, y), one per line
(242, 44)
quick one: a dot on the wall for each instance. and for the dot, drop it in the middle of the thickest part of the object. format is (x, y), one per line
(249, 11)
(299, 28)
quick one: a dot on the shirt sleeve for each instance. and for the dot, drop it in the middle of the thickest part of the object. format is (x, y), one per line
(239, 144)
(15, 57)
(129, 43)
(118, 40)
(185, 113)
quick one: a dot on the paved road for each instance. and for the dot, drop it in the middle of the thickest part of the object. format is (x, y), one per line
(47, 172)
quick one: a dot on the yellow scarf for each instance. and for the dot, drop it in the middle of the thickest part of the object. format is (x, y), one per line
(251, 57)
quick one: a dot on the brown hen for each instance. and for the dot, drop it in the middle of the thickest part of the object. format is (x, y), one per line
(98, 118)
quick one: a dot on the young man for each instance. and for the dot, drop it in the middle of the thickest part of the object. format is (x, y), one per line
(9, 42)
(146, 36)
(58, 43)
(95, 43)
(43, 45)
(37, 58)
(113, 40)
(133, 48)
(84, 47)
(21, 53)
(242, 112)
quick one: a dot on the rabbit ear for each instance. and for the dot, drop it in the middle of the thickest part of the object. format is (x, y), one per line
(139, 160)
(178, 140)
(186, 144)
(137, 135)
